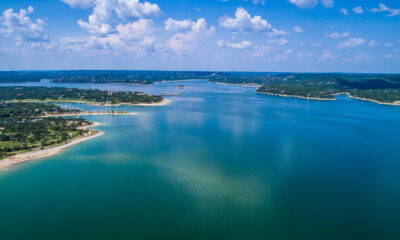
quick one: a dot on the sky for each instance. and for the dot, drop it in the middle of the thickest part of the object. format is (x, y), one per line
(360, 36)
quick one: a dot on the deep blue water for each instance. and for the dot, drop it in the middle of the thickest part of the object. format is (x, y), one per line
(218, 162)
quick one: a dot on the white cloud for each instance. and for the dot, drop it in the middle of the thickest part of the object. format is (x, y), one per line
(130, 38)
(240, 45)
(358, 10)
(183, 43)
(352, 42)
(328, 3)
(133, 9)
(262, 2)
(280, 41)
(79, 3)
(373, 43)
(305, 4)
(383, 8)
(108, 13)
(135, 30)
(288, 51)
(344, 11)
(177, 26)
(389, 45)
(336, 35)
(277, 33)
(244, 22)
(298, 29)
(20, 25)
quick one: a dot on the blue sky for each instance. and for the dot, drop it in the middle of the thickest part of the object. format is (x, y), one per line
(216, 35)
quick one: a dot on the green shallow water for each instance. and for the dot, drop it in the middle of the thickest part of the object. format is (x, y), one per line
(219, 162)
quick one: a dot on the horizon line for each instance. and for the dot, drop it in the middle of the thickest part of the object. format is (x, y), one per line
(217, 71)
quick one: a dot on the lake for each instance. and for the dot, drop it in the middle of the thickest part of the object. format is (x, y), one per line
(218, 162)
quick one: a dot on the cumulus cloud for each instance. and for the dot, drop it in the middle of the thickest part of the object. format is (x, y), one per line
(120, 26)
(305, 4)
(244, 22)
(352, 42)
(358, 10)
(240, 45)
(108, 13)
(130, 38)
(79, 3)
(20, 25)
(383, 8)
(177, 26)
(116, 27)
(184, 42)
(310, 4)
(336, 35)
(135, 30)
(133, 9)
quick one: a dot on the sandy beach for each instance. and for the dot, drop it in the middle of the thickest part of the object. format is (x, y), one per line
(164, 102)
(44, 153)
(327, 99)
(294, 96)
(248, 85)
(90, 114)
(374, 101)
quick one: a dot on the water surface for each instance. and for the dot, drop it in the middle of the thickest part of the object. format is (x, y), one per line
(219, 162)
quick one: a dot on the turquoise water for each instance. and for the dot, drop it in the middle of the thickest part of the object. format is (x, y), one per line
(219, 162)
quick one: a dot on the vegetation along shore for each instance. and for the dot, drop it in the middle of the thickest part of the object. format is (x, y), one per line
(32, 128)
(88, 96)
(378, 88)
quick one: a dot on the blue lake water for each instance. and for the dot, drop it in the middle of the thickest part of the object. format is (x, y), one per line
(218, 162)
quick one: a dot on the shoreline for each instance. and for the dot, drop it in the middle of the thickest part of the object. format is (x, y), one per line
(374, 101)
(294, 96)
(88, 114)
(47, 152)
(247, 85)
(333, 99)
(162, 103)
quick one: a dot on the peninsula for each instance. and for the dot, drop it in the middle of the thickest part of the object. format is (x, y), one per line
(31, 131)
(88, 96)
